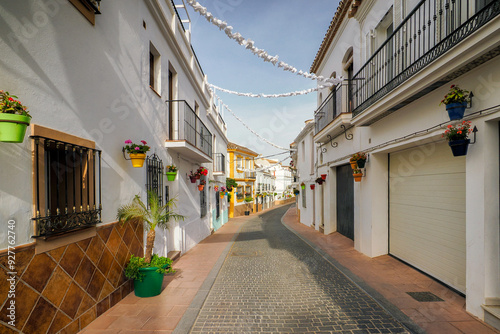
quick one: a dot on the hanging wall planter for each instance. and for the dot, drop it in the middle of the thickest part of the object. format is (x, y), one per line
(459, 147)
(323, 176)
(313, 186)
(137, 159)
(14, 119)
(457, 136)
(456, 102)
(171, 172)
(303, 186)
(456, 111)
(136, 152)
(201, 187)
(354, 164)
(357, 174)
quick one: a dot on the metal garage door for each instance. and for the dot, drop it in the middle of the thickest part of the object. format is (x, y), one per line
(427, 211)
(345, 201)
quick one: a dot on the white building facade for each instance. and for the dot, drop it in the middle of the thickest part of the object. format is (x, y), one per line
(416, 201)
(93, 78)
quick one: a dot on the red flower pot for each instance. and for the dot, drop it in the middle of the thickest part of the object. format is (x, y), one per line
(323, 176)
(312, 186)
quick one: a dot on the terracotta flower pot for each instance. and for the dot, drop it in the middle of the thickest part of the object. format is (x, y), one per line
(354, 164)
(323, 176)
(357, 177)
(200, 187)
(137, 159)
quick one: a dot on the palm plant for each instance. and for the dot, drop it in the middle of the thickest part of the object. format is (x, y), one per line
(157, 215)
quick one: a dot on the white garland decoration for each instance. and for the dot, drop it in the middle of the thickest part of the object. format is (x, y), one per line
(249, 44)
(296, 93)
(246, 126)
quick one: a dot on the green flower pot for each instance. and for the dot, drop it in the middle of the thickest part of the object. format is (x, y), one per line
(171, 176)
(13, 127)
(150, 286)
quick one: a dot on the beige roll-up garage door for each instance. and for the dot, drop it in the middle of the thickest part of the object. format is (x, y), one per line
(427, 211)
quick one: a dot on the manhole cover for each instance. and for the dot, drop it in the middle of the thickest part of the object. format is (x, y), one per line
(425, 296)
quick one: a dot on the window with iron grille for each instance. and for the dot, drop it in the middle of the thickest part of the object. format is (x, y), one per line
(154, 177)
(217, 204)
(67, 186)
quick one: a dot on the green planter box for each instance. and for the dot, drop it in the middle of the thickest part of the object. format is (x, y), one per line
(150, 286)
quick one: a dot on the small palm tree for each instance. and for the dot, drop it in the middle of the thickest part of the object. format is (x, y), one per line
(156, 215)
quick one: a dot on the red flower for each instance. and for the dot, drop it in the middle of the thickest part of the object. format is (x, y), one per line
(452, 86)
(459, 132)
(450, 126)
(143, 142)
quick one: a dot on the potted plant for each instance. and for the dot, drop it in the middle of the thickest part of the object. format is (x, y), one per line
(456, 102)
(312, 186)
(201, 186)
(230, 183)
(296, 192)
(171, 172)
(192, 177)
(148, 271)
(248, 201)
(14, 118)
(319, 180)
(136, 152)
(229, 197)
(360, 159)
(201, 171)
(216, 188)
(303, 185)
(358, 174)
(323, 176)
(457, 136)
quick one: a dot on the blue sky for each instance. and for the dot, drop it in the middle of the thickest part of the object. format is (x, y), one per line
(292, 29)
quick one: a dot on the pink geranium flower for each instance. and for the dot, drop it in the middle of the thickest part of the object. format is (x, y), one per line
(128, 142)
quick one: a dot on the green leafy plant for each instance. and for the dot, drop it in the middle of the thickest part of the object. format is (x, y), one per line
(229, 197)
(136, 148)
(358, 156)
(156, 216)
(458, 132)
(456, 95)
(248, 199)
(357, 171)
(171, 168)
(164, 265)
(9, 104)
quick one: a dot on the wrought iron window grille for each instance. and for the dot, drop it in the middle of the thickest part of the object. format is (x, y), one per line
(154, 177)
(67, 187)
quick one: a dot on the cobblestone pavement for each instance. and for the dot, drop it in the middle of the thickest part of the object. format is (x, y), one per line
(273, 282)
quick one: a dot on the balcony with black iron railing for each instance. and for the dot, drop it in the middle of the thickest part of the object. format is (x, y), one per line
(188, 135)
(431, 30)
(332, 113)
(219, 164)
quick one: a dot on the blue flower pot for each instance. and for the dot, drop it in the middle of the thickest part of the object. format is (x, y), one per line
(459, 147)
(456, 110)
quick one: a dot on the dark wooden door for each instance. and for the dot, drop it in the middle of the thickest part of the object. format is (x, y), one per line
(345, 201)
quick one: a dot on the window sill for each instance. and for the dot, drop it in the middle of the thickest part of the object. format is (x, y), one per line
(154, 90)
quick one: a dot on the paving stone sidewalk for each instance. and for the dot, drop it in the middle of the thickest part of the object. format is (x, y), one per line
(273, 282)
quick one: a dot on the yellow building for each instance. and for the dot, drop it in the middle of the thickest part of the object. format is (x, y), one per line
(242, 169)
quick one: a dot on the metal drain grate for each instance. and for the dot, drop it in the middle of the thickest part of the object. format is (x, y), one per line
(425, 296)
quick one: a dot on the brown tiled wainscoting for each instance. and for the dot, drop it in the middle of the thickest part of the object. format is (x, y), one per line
(63, 290)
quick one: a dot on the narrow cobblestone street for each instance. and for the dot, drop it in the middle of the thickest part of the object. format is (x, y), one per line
(272, 281)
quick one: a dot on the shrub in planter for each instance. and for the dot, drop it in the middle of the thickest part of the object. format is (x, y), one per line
(457, 136)
(456, 102)
(14, 118)
(145, 270)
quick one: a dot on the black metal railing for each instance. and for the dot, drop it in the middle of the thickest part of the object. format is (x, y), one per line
(250, 175)
(330, 108)
(67, 187)
(219, 163)
(195, 132)
(154, 177)
(429, 31)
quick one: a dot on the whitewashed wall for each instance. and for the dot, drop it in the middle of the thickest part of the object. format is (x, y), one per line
(93, 82)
